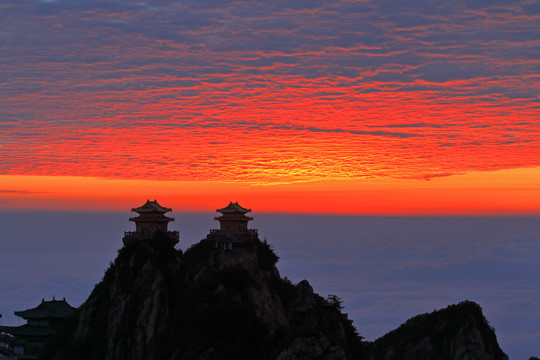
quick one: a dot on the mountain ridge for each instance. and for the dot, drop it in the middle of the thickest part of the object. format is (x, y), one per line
(156, 302)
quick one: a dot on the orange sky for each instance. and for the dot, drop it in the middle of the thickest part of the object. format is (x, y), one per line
(515, 191)
(345, 107)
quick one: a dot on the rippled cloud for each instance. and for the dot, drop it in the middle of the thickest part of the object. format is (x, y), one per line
(342, 90)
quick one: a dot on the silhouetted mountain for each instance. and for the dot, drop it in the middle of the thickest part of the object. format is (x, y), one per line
(459, 332)
(155, 302)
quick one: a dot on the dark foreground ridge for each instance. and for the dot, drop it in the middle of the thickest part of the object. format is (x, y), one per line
(225, 299)
(155, 302)
(458, 332)
(210, 303)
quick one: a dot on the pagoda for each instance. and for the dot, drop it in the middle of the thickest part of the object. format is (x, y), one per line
(150, 223)
(233, 227)
(42, 322)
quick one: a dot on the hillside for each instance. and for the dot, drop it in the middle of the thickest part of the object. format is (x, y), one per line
(155, 302)
(459, 332)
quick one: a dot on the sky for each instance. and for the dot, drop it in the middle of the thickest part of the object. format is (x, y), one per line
(405, 103)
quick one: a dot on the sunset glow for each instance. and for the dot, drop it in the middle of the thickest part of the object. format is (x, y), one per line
(503, 192)
(377, 98)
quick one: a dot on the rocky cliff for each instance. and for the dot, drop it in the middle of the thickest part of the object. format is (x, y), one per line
(459, 332)
(155, 302)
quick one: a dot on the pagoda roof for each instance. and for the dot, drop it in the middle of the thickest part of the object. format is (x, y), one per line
(151, 218)
(151, 206)
(233, 208)
(226, 217)
(58, 309)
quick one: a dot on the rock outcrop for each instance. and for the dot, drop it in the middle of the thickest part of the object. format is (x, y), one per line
(155, 302)
(459, 332)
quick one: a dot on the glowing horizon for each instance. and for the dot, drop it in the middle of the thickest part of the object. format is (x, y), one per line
(505, 192)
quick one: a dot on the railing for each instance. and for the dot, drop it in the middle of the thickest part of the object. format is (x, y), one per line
(249, 231)
(133, 234)
(250, 234)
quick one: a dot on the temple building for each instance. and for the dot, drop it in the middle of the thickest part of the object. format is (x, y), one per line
(151, 222)
(233, 227)
(42, 322)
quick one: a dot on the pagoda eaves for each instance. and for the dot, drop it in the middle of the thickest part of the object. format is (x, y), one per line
(151, 206)
(233, 208)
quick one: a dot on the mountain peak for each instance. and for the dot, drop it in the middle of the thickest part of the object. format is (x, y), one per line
(224, 298)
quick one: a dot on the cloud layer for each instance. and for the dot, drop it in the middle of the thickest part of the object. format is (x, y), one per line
(268, 92)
